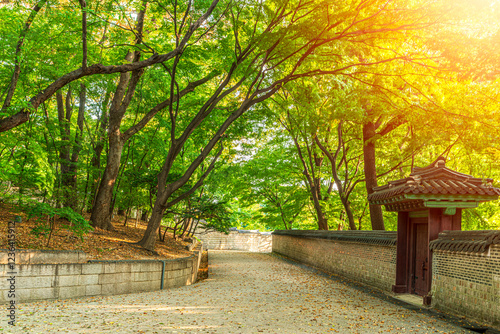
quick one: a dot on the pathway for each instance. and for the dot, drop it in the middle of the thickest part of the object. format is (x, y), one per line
(245, 293)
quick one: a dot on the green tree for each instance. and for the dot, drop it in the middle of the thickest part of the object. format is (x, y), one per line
(272, 179)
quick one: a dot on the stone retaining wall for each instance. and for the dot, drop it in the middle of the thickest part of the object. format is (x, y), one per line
(364, 256)
(243, 240)
(96, 278)
(468, 283)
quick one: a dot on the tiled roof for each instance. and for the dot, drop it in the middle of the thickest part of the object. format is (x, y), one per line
(383, 238)
(435, 179)
(465, 241)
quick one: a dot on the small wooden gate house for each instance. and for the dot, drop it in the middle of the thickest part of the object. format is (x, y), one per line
(428, 202)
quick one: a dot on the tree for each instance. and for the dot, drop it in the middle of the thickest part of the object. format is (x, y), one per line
(340, 162)
(291, 49)
(85, 70)
(315, 113)
(312, 159)
(206, 211)
(101, 211)
(69, 149)
(248, 51)
(271, 183)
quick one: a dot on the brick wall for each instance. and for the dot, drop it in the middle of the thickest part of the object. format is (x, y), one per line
(468, 283)
(68, 280)
(370, 262)
(250, 241)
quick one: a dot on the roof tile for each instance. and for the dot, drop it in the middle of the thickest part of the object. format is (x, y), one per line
(435, 179)
(465, 241)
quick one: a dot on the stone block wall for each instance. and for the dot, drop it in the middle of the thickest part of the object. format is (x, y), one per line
(358, 258)
(96, 278)
(250, 241)
(468, 283)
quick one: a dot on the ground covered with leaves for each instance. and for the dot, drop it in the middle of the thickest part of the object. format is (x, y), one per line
(246, 293)
(98, 244)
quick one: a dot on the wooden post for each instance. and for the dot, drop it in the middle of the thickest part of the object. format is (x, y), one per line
(456, 224)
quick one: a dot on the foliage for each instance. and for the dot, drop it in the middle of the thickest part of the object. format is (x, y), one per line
(46, 215)
(212, 215)
(423, 73)
(271, 184)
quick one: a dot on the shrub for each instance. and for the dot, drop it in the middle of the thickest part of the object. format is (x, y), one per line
(45, 220)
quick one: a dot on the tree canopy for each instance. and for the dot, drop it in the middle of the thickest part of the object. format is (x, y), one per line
(257, 113)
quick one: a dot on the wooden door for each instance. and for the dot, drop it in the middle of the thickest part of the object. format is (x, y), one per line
(420, 265)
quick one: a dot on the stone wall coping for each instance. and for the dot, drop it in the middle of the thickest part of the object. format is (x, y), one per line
(33, 256)
(233, 230)
(465, 241)
(18, 250)
(253, 232)
(83, 254)
(145, 260)
(382, 238)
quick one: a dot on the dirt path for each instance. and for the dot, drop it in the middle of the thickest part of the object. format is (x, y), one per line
(245, 293)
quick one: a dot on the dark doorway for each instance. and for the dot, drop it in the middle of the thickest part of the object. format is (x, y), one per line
(419, 268)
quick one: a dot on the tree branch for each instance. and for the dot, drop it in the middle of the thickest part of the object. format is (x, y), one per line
(17, 67)
(144, 121)
(22, 116)
(83, 5)
(199, 183)
(393, 124)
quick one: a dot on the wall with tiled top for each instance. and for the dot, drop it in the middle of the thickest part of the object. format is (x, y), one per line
(463, 283)
(374, 265)
(468, 283)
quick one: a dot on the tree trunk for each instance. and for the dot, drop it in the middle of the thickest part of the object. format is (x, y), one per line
(101, 216)
(72, 198)
(350, 216)
(127, 213)
(165, 191)
(192, 229)
(343, 192)
(68, 152)
(185, 226)
(64, 112)
(322, 220)
(313, 182)
(376, 217)
(283, 218)
(18, 56)
(99, 146)
(148, 240)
